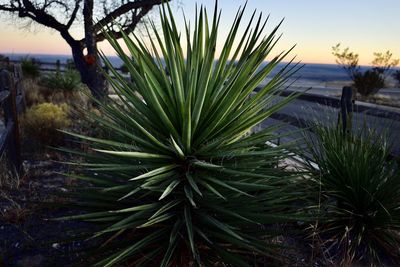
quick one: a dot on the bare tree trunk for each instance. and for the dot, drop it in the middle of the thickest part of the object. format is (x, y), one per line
(89, 68)
(91, 73)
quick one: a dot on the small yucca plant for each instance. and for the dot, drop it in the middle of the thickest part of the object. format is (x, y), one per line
(68, 81)
(30, 67)
(180, 178)
(359, 193)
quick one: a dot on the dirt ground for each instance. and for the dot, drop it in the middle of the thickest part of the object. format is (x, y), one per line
(28, 235)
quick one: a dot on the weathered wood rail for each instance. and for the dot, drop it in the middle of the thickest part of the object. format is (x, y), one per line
(12, 102)
(54, 66)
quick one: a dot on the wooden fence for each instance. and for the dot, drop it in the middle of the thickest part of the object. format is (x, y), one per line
(12, 103)
(56, 66)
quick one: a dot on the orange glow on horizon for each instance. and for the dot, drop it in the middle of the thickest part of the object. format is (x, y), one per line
(51, 43)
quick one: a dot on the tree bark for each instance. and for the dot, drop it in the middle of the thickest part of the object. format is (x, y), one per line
(90, 65)
(90, 71)
(91, 74)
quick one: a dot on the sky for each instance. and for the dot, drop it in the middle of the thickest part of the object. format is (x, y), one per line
(366, 26)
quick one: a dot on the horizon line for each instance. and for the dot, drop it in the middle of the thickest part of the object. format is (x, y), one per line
(115, 56)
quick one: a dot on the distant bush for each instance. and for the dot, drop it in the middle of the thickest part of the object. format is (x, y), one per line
(383, 63)
(370, 81)
(359, 194)
(70, 80)
(30, 67)
(41, 122)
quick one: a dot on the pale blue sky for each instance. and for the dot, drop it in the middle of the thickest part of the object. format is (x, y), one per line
(366, 26)
(316, 25)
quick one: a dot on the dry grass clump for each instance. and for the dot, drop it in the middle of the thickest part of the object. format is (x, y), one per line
(14, 213)
(8, 177)
(33, 93)
(41, 122)
(36, 94)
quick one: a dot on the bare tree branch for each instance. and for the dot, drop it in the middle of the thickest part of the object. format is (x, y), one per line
(128, 28)
(48, 4)
(74, 13)
(125, 9)
(26, 9)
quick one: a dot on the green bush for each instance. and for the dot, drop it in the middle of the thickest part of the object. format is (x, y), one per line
(180, 179)
(359, 194)
(368, 82)
(30, 67)
(68, 81)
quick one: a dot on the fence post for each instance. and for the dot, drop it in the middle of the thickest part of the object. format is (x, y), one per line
(11, 116)
(346, 109)
(58, 65)
(18, 76)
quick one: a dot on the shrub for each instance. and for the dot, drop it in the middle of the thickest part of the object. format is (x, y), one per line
(383, 62)
(346, 59)
(180, 180)
(30, 67)
(41, 122)
(359, 194)
(369, 82)
(68, 81)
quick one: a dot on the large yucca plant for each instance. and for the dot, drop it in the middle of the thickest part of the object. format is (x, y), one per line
(359, 194)
(181, 178)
